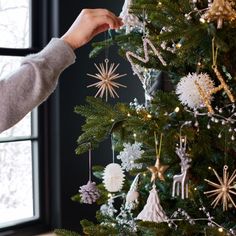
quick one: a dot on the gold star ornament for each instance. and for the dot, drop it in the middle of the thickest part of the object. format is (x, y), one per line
(157, 170)
(223, 189)
(106, 76)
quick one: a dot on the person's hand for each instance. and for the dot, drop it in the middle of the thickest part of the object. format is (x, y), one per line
(89, 23)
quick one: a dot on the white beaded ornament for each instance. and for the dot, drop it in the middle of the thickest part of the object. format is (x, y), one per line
(113, 177)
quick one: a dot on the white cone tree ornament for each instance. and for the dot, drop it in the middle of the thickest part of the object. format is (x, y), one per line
(133, 194)
(153, 211)
(113, 177)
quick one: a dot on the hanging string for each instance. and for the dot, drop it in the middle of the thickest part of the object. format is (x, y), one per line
(225, 149)
(214, 53)
(106, 33)
(144, 24)
(158, 152)
(113, 150)
(90, 162)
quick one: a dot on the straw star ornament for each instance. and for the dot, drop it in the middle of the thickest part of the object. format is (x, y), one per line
(106, 76)
(223, 190)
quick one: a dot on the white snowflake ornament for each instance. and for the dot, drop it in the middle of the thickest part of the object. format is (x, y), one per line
(153, 210)
(129, 155)
(188, 91)
(113, 177)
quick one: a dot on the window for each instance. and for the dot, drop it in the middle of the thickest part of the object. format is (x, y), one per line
(19, 173)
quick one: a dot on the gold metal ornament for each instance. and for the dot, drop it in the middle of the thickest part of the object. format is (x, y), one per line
(223, 189)
(158, 170)
(220, 11)
(206, 95)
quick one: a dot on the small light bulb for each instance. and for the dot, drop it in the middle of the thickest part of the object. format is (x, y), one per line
(109, 195)
(177, 109)
(202, 20)
(209, 168)
(112, 120)
(195, 189)
(199, 63)
(149, 116)
(144, 174)
(128, 115)
(220, 230)
(135, 135)
(178, 45)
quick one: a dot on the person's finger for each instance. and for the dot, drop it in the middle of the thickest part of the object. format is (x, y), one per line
(104, 19)
(101, 29)
(106, 14)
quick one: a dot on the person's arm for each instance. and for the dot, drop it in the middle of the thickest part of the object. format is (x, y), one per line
(37, 77)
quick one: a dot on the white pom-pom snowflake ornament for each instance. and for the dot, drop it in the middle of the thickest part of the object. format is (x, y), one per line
(129, 155)
(188, 91)
(113, 177)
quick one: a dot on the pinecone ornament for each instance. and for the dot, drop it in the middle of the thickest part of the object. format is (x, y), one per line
(89, 193)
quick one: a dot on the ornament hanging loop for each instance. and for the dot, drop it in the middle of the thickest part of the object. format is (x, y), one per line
(158, 152)
(90, 162)
(214, 54)
(106, 33)
(144, 24)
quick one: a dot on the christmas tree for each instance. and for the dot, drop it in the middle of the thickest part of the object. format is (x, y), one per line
(175, 170)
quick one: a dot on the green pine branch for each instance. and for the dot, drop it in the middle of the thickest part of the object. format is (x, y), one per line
(64, 232)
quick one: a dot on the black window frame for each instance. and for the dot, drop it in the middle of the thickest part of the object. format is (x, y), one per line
(43, 16)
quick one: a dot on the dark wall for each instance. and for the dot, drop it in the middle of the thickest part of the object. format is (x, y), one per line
(71, 92)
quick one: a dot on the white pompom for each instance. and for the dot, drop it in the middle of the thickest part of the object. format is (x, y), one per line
(188, 92)
(113, 177)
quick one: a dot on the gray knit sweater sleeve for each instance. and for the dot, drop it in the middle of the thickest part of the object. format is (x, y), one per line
(33, 82)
